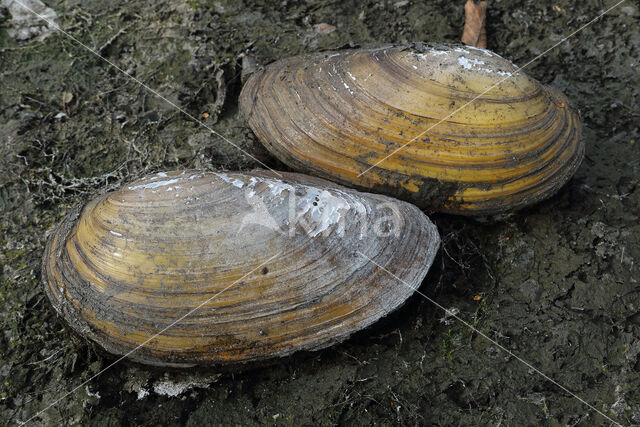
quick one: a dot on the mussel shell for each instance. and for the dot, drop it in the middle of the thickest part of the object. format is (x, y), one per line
(275, 265)
(337, 114)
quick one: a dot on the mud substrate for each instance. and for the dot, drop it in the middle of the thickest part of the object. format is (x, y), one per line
(556, 284)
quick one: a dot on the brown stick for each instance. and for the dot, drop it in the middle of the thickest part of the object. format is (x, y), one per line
(475, 33)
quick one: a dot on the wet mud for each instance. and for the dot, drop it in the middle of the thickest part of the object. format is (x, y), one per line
(556, 284)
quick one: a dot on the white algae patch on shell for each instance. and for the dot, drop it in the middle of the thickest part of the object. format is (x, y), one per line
(274, 265)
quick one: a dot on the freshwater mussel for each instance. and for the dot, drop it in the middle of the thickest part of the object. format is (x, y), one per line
(450, 128)
(203, 268)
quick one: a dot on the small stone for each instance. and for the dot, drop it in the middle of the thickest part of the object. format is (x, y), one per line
(151, 117)
(27, 117)
(599, 229)
(531, 289)
(67, 97)
(324, 28)
(249, 66)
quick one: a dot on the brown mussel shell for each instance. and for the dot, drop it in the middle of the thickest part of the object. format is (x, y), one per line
(450, 128)
(203, 268)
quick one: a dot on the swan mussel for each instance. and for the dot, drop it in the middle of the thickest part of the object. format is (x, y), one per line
(450, 128)
(204, 268)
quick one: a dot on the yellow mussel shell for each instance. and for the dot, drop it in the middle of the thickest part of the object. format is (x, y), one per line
(195, 268)
(450, 128)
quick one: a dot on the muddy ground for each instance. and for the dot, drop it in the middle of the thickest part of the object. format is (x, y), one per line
(556, 284)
